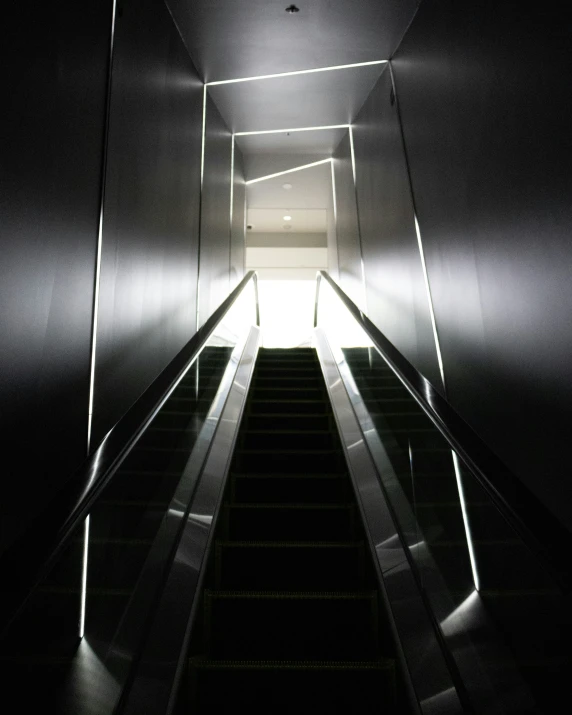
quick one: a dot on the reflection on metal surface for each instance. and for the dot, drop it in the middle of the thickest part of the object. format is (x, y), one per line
(466, 519)
(455, 622)
(289, 171)
(298, 72)
(362, 263)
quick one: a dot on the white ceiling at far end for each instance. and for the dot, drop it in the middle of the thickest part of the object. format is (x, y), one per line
(310, 188)
(271, 220)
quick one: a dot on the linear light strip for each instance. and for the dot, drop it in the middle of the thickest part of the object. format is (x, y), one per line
(203, 141)
(362, 262)
(84, 577)
(231, 208)
(95, 321)
(466, 520)
(289, 171)
(430, 300)
(295, 129)
(297, 72)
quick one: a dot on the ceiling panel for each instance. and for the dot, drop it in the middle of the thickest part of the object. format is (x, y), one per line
(229, 39)
(322, 142)
(311, 189)
(270, 220)
(307, 100)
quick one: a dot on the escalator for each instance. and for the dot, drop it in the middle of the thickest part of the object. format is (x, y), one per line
(291, 618)
(304, 530)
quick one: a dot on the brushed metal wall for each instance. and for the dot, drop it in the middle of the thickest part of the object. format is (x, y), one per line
(151, 213)
(52, 132)
(397, 299)
(215, 214)
(486, 102)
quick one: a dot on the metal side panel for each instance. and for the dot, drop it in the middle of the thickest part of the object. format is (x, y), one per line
(157, 674)
(425, 668)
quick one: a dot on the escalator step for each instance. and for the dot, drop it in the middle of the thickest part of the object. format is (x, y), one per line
(321, 625)
(292, 421)
(287, 406)
(289, 565)
(281, 522)
(292, 439)
(291, 687)
(289, 461)
(305, 488)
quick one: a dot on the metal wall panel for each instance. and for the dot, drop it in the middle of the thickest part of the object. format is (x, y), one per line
(151, 213)
(486, 102)
(51, 134)
(349, 254)
(397, 299)
(237, 233)
(215, 214)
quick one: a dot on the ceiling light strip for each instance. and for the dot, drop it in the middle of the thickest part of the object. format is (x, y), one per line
(297, 72)
(289, 171)
(295, 129)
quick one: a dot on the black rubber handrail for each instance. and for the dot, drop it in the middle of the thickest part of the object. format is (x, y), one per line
(29, 559)
(544, 535)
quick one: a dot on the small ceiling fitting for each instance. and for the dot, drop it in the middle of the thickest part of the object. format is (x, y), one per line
(291, 9)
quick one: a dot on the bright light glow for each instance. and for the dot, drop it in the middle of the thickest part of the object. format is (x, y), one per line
(84, 577)
(289, 171)
(287, 218)
(286, 312)
(287, 187)
(297, 72)
(295, 129)
(466, 520)
(430, 299)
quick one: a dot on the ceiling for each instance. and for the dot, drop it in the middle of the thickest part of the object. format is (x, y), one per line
(310, 190)
(271, 220)
(228, 39)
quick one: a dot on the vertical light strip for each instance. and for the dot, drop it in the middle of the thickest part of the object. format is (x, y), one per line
(95, 318)
(203, 140)
(363, 285)
(418, 234)
(84, 577)
(430, 300)
(466, 520)
(335, 207)
(231, 209)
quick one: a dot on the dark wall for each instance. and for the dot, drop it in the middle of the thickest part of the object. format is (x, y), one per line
(151, 211)
(397, 299)
(51, 134)
(237, 237)
(485, 95)
(347, 226)
(215, 214)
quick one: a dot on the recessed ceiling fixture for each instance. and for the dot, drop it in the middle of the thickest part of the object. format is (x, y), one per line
(291, 9)
(287, 186)
(287, 218)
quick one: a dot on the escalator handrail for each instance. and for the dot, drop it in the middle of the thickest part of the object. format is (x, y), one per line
(25, 563)
(536, 525)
